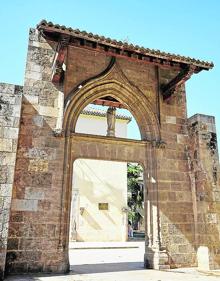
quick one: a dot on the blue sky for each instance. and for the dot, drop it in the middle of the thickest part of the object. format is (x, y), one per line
(190, 28)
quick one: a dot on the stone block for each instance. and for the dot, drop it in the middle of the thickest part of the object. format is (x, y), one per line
(2, 202)
(34, 193)
(7, 88)
(24, 205)
(14, 145)
(9, 99)
(183, 249)
(182, 139)
(40, 45)
(5, 189)
(12, 244)
(35, 68)
(18, 100)
(30, 99)
(48, 111)
(17, 217)
(38, 120)
(47, 153)
(216, 196)
(171, 119)
(16, 110)
(33, 75)
(6, 145)
(6, 121)
(33, 35)
(211, 218)
(6, 174)
(38, 165)
(18, 267)
(45, 180)
(16, 122)
(10, 133)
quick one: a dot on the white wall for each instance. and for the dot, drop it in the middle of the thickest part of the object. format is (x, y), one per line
(97, 125)
(100, 182)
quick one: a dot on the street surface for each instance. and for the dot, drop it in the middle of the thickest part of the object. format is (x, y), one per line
(117, 262)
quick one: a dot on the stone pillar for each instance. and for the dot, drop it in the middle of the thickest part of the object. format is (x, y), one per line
(154, 257)
(10, 107)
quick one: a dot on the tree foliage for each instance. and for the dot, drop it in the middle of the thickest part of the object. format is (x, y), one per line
(135, 193)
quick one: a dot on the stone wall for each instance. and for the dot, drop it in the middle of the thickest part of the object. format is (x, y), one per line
(33, 240)
(10, 106)
(204, 165)
(174, 190)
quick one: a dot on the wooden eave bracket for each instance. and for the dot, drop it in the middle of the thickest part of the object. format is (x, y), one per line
(58, 65)
(170, 88)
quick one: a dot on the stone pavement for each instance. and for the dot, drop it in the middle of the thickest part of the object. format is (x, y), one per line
(114, 262)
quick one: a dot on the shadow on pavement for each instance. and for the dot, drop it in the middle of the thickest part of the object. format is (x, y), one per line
(106, 267)
(82, 269)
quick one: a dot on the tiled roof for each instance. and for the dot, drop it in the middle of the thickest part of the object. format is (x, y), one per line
(123, 45)
(102, 113)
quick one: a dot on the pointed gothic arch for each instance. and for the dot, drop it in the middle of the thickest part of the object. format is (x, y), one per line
(113, 83)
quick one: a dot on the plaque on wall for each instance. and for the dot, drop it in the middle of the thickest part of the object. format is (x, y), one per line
(103, 206)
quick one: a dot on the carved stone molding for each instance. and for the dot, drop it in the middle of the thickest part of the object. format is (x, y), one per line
(158, 144)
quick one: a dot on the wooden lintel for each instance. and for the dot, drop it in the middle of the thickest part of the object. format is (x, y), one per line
(108, 103)
(168, 89)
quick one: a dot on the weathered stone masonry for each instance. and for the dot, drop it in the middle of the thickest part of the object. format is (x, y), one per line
(10, 105)
(66, 70)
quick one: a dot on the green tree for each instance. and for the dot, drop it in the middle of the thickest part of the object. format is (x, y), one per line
(135, 193)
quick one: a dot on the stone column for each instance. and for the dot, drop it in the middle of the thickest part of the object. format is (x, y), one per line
(155, 257)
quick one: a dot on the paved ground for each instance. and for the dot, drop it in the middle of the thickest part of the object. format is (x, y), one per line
(117, 262)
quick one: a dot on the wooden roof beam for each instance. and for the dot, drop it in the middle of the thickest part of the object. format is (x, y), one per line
(58, 70)
(168, 89)
(108, 103)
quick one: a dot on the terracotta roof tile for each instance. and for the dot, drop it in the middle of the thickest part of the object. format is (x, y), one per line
(102, 113)
(123, 45)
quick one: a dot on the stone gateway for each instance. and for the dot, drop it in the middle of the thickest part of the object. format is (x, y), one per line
(66, 70)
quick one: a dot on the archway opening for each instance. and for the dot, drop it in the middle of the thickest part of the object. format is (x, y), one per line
(94, 119)
(107, 216)
(84, 145)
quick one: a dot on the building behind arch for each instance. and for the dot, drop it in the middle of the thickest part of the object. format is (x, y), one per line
(99, 195)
